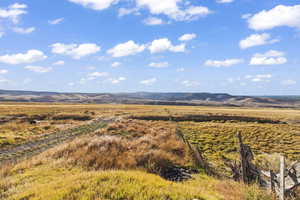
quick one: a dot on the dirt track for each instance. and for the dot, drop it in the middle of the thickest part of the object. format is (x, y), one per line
(45, 142)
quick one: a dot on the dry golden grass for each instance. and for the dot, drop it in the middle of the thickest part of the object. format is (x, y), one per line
(129, 144)
(51, 179)
(219, 139)
(75, 170)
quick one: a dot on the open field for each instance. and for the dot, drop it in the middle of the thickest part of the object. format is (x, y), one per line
(136, 151)
(267, 130)
(52, 180)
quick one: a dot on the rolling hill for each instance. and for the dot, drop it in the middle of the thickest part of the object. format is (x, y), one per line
(216, 99)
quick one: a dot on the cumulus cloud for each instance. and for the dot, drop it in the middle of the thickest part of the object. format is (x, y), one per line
(29, 57)
(257, 40)
(164, 44)
(225, 1)
(280, 15)
(95, 4)
(187, 37)
(259, 77)
(23, 30)
(3, 71)
(246, 16)
(288, 82)
(152, 21)
(117, 80)
(159, 65)
(188, 83)
(177, 10)
(76, 51)
(71, 84)
(126, 49)
(13, 12)
(98, 74)
(60, 62)
(173, 9)
(2, 34)
(271, 57)
(149, 82)
(56, 21)
(93, 76)
(192, 13)
(127, 11)
(116, 64)
(38, 69)
(223, 63)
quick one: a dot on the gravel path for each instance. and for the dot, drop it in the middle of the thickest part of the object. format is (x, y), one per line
(47, 141)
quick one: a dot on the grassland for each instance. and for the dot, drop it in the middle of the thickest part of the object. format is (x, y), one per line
(20, 123)
(125, 160)
(52, 180)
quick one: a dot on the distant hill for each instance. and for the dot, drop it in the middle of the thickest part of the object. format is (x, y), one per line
(216, 99)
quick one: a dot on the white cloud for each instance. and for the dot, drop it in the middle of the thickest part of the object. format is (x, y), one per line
(152, 21)
(95, 4)
(76, 51)
(127, 11)
(246, 16)
(178, 10)
(259, 77)
(18, 6)
(2, 34)
(187, 37)
(159, 65)
(38, 69)
(60, 62)
(225, 1)
(29, 57)
(149, 81)
(164, 44)
(188, 83)
(117, 80)
(193, 13)
(167, 7)
(94, 75)
(173, 10)
(288, 82)
(3, 71)
(126, 49)
(71, 84)
(271, 57)
(223, 63)
(13, 12)
(177, 48)
(257, 40)
(278, 16)
(56, 21)
(116, 64)
(23, 30)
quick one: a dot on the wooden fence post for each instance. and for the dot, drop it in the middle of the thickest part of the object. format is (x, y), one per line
(282, 178)
(272, 180)
(242, 157)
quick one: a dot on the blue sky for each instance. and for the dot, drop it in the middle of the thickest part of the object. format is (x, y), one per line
(246, 47)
